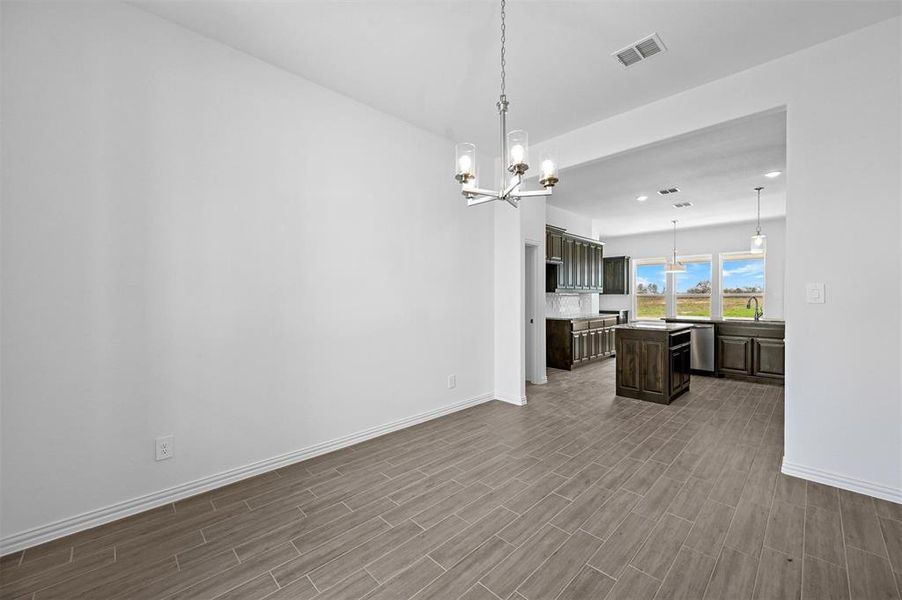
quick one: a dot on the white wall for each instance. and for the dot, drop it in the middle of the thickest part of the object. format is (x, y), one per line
(572, 222)
(843, 225)
(196, 243)
(711, 240)
(509, 303)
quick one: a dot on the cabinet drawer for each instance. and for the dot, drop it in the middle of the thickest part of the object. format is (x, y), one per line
(579, 325)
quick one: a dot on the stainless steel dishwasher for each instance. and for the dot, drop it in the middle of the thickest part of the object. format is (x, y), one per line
(702, 356)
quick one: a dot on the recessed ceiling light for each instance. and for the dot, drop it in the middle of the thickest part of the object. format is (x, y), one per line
(641, 198)
(773, 174)
(682, 205)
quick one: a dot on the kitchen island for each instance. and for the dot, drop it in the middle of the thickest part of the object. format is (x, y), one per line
(653, 360)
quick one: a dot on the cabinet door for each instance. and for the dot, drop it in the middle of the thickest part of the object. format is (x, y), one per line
(576, 348)
(685, 366)
(599, 268)
(613, 275)
(628, 351)
(554, 246)
(579, 260)
(676, 370)
(590, 267)
(616, 275)
(770, 357)
(586, 351)
(654, 366)
(593, 343)
(734, 354)
(567, 271)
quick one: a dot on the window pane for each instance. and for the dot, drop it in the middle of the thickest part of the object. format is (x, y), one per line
(650, 290)
(693, 290)
(743, 279)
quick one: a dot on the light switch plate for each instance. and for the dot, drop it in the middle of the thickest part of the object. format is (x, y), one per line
(815, 293)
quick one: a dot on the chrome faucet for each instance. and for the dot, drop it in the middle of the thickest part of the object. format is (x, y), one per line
(758, 312)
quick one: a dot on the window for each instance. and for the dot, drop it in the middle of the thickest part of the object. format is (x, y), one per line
(651, 290)
(693, 288)
(742, 279)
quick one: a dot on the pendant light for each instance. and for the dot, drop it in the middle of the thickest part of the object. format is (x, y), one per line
(674, 266)
(759, 240)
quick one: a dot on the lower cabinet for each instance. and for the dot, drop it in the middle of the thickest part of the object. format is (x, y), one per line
(755, 352)
(570, 343)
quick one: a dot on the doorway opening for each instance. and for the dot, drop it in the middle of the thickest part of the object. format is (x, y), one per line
(533, 323)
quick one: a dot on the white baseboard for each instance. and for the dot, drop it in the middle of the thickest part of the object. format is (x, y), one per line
(93, 518)
(842, 481)
(511, 399)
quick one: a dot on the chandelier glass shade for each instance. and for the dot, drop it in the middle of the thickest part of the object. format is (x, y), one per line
(514, 156)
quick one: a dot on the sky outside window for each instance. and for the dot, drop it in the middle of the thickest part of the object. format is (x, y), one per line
(650, 288)
(693, 290)
(650, 279)
(745, 274)
(743, 278)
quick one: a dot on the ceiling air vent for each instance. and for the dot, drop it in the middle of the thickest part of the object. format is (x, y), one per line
(666, 191)
(639, 51)
(682, 205)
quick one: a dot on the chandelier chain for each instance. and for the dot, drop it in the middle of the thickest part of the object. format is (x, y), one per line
(503, 40)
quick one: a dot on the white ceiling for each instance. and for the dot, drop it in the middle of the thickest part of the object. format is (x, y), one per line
(435, 64)
(716, 169)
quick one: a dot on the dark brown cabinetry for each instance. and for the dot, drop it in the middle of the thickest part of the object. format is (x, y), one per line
(769, 358)
(570, 343)
(554, 244)
(616, 275)
(574, 264)
(734, 354)
(652, 363)
(748, 350)
(754, 351)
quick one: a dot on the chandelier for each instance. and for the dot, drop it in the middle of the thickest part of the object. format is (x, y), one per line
(514, 157)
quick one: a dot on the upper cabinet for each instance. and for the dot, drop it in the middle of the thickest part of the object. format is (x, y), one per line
(574, 263)
(616, 275)
(554, 244)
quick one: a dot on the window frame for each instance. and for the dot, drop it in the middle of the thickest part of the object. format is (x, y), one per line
(740, 255)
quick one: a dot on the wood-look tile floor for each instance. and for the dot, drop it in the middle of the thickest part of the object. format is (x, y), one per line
(579, 495)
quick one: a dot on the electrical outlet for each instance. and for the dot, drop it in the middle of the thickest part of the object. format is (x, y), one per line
(452, 382)
(165, 447)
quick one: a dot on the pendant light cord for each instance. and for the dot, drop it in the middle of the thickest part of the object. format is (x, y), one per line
(503, 40)
(674, 241)
(758, 229)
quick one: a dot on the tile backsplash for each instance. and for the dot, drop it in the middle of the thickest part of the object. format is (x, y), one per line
(568, 304)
